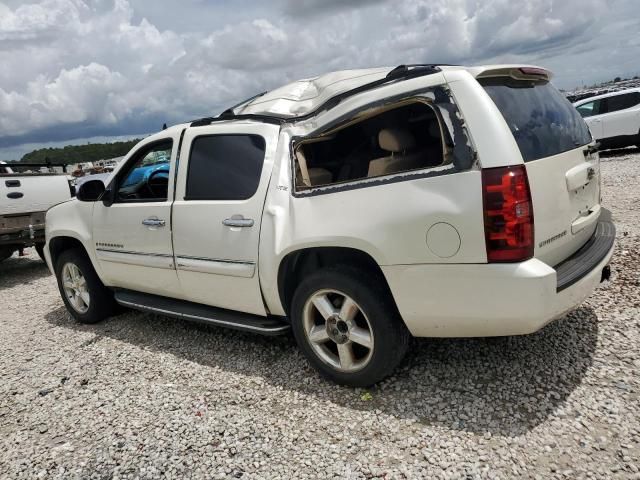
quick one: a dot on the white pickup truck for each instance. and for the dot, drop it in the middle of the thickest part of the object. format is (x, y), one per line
(24, 201)
(358, 209)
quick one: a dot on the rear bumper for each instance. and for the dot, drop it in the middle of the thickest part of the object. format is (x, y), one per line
(578, 265)
(23, 237)
(22, 230)
(497, 299)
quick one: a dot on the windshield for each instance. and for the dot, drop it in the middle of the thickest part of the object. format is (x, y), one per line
(542, 120)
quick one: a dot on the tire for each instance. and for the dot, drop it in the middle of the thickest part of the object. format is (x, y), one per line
(6, 252)
(99, 304)
(336, 332)
(40, 249)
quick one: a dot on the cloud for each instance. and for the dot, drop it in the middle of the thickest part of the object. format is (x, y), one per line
(75, 68)
(306, 8)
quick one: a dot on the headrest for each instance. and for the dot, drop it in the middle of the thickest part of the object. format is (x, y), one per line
(395, 140)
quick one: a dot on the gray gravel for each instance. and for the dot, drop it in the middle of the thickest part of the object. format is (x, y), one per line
(142, 396)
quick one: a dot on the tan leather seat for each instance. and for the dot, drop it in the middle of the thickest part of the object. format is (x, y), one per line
(320, 176)
(397, 142)
(310, 177)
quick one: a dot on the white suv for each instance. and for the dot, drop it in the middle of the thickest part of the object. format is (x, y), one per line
(614, 118)
(358, 208)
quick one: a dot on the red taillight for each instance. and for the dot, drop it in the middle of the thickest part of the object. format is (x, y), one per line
(508, 214)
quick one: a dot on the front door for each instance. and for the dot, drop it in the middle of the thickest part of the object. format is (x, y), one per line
(133, 235)
(592, 113)
(217, 213)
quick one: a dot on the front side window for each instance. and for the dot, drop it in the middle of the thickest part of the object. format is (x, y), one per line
(589, 109)
(622, 102)
(146, 178)
(543, 122)
(225, 167)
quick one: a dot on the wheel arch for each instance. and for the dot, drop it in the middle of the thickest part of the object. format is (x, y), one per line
(295, 265)
(57, 245)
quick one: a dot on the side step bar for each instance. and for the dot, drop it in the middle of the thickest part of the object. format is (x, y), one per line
(201, 313)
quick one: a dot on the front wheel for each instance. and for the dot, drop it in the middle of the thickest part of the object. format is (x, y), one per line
(84, 295)
(349, 330)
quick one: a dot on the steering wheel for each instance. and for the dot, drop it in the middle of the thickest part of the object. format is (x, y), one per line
(158, 185)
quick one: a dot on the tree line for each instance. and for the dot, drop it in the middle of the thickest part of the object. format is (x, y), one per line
(72, 154)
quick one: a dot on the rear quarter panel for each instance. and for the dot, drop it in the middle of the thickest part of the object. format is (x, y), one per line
(388, 221)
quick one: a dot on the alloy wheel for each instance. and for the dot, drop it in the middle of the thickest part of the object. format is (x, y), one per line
(338, 330)
(75, 287)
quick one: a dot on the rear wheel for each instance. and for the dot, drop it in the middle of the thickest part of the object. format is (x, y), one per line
(6, 252)
(84, 295)
(349, 331)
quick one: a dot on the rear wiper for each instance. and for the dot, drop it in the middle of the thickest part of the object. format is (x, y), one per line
(591, 149)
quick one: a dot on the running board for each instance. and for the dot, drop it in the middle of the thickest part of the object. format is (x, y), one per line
(201, 313)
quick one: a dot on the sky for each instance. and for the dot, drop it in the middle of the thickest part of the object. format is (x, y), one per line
(73, 71)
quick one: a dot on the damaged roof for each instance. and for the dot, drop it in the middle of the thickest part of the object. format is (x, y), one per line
(305, 96)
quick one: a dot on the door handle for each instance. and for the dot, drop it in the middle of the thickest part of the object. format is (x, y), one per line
(238, 221)
(153, 222)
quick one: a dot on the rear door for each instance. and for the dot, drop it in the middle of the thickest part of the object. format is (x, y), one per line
(222, 184)
(621, 118)
(563, 169)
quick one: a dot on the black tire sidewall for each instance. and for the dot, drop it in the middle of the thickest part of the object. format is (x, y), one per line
(6, 253)
(391, 336)
(101, 304)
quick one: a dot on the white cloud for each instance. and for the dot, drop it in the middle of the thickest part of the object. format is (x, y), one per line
(102, 65)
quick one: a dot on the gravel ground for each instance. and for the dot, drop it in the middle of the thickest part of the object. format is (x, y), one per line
(142, 396)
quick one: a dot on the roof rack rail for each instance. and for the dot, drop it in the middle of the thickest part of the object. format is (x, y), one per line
(230, 110)
(410, 70)
(223, 118)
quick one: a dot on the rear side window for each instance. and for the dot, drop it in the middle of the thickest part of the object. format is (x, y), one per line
(622, 102)
(541, 119)
(225, 167)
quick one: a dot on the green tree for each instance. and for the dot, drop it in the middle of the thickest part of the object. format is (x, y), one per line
(79, 153)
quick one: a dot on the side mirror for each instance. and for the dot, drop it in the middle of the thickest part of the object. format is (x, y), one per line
(90, 191)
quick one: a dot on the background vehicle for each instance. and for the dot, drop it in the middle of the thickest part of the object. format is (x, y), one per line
(24, 200)
(357, 208)
(613, 118)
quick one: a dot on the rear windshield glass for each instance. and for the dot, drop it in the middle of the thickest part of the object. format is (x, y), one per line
(542, 120)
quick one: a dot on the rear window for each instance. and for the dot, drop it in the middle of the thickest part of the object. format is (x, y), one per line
(622, 102)
(542, 120)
